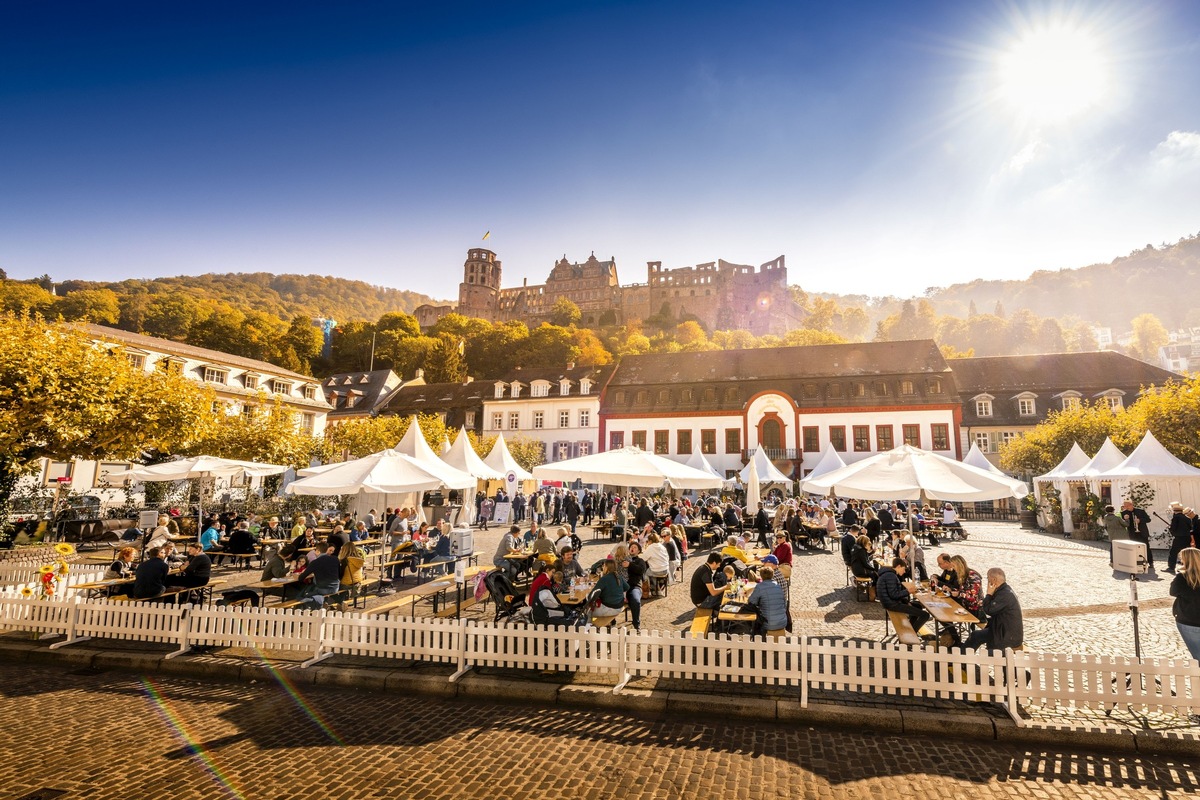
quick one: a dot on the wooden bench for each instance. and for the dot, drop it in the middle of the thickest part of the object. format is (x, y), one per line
(604, 622)
(905, 633)
(701, 621)
(862, 590)
(338, 598)
(386, 608)
(171, 593)
(453, 610)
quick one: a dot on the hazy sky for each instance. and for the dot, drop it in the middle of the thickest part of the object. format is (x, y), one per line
(883, 147)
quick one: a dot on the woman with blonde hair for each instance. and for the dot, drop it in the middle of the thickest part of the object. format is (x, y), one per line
(969, 593)
(658, 560)
(1185, 588)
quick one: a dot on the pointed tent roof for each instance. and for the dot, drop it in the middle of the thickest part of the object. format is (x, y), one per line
(976, 458)
(413, 444)
(1073, 461)
(1107, 457)
(1151, 460)
(445, 446)
(829, 461)
(462, 455)
(502, 461)
(698, 461)
(767, 472)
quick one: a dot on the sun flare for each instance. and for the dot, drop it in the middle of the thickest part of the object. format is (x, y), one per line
(1051, 75)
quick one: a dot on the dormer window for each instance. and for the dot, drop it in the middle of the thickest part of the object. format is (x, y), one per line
(250, 381)
(310, 393)
(515, 387)
(1070, 403)
(1113, 399)
(564, 387)
(281, 387)
(1027, 406)
(935, 386)
(214, 375)
(983, 405)
(499, 390)
(539, 389)
(585, 386)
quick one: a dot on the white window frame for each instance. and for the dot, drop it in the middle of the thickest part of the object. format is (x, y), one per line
(585, 417)
(514, 420)
(585, 448)
(515, 388)
(136, 360)
(1027, 407)
(499, 390)
(1114, 401)
(539, 389)
(1070, 402)
(216, 375)
(564, 387)
(564, 419)
(280, 387)
(469, 419)
(250, 381)
(539, 420)
(983, 408)
(585, 386)
(497, 420)
(983, 440)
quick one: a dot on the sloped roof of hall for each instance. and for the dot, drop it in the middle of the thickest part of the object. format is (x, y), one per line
(778, 363)
(1055, 371)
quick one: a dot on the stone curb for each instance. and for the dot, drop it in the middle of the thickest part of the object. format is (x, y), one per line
(965, 724)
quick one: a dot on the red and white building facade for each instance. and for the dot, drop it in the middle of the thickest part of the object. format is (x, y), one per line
(792, 401)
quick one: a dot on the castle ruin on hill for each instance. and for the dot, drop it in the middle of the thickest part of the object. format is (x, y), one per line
(721, 295)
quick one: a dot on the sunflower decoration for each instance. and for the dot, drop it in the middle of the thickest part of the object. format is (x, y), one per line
(26, 591)
(64, 549)
(46, 569)
(63, 568)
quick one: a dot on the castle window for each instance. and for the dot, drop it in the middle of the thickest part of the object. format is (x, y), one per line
(664, 395)
(687, 395)
(643, 397)
(881, 389)
(710, 395)
(835, 391)
(906, 388)
(810, 390)
(859, 390)
(731, 393)
(935, 387)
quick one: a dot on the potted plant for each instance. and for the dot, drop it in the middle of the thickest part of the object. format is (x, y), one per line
(1029, 509)
(1051, 507)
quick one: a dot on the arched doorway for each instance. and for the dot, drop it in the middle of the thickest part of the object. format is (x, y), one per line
(771, 434)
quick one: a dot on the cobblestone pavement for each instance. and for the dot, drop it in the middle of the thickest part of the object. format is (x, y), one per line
(1072, 600)
(119, 736)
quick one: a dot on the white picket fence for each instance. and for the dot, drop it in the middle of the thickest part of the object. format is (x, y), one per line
(1013, 679)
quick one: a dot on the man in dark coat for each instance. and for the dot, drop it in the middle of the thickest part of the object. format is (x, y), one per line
(1005, 626)
(1137, 522)
(1181, 534)
(892, 594)
(151, 576)
(762, 524)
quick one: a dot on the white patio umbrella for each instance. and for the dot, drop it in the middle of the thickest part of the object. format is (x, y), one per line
(462, 456)
(386, 472)
(628, 466)
(501, 460)
(204, 467)
(752, 489)
(907, 473)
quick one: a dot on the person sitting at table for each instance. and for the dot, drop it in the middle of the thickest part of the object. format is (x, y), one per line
(911, 552)
(610, 591)
(276, 567)
(672, 539)
(658, 560)
(359, 532)
(847, 542)
(1002, 623)
(321, 577)
(195, 574)
(440, 554)
(172, 556)
(543, 548)
(563, 540)
(543, 576)
(120, 569)
(569, 565)
(769, 600)
(731, 550)
(862, 561)
(947, 578)
(783, 554)
(241, 542)
(508, 544)
(545, 607)
(894, 596)
(161, 534)
(211, 536)
(151, 574)
(706, 588)
(969, 589)
(305, 541)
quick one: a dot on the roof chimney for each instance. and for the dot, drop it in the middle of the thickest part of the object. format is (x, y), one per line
(570, 365)
(420, 373)
(469, 379)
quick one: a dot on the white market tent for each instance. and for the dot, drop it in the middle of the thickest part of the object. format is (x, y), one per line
(1072, 462)
(382, 479)
(501, 460)
(908, 473)
(1171, 478)
(829, 461)
(767, 472)
(698, 461)
(462, 456)
(628, 466)
(976, 458)
(413, 444)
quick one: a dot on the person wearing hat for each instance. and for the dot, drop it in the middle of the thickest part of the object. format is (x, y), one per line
(1137, 522)
(1181, 534)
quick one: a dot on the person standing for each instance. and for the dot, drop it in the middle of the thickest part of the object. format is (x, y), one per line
(1185, 588)
(762, 524)
(1181, 534)
(1137, 525)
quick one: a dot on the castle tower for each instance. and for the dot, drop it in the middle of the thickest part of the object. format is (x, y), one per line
(479, 292)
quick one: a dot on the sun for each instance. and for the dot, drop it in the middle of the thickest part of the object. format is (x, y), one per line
(1054, 74)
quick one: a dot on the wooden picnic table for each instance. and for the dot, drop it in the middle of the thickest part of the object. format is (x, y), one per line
(273, 583)
(434, 590)
(945, 610)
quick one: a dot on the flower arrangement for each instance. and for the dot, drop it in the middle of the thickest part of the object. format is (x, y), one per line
(51, 576)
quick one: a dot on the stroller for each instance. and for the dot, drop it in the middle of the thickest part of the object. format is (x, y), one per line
(510, 604)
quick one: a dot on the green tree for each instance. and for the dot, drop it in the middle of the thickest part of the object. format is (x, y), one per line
(691, 336)
(804, 337)
(271, 435)
(854, 323)
(172, 316)
(1172, 413)
(306, 341)
(62, 397)
(445, 362)
(1041, 449)
(361, 437)
(547, 347)
(101, 306)
(1149, 334)
(405, 324)
(20, 297)
(565, 313)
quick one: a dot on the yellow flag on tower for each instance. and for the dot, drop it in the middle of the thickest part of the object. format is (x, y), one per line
(487, 236)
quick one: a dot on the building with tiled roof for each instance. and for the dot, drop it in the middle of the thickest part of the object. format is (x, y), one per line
(458, 405)
(558, 407)
(1003, 397)
(359, 395)
(792, 401)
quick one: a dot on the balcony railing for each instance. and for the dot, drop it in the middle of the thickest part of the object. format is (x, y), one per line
(775, 453)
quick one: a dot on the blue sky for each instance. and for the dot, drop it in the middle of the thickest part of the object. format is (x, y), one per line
(882, 147)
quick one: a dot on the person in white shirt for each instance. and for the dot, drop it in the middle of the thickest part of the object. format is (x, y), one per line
(658, 560)
(563, 541)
